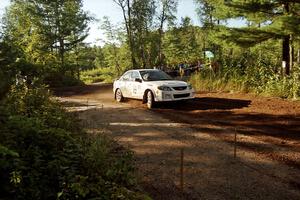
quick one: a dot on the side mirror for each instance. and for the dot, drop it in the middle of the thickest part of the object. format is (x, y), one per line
(138, 80)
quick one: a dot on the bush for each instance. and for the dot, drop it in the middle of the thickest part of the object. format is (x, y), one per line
(260, 80)
(57, 79)
(106, 75)
(44, 154)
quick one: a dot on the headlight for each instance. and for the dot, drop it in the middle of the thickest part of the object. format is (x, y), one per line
(164, 88)
(190, 86)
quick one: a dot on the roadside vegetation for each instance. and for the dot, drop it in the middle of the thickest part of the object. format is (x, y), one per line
(250, 71)
(262, 56)
(45, 154)
(263, 84)
(44, 151)
(98, 75)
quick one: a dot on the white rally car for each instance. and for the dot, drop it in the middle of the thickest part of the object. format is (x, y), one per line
(151, 85)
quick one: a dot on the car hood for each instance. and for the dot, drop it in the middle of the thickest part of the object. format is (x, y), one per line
(171, 83)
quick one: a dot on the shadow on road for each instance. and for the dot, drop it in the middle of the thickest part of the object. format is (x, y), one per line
(282, 127)
(205, 103)
(200, 126)
(210, 170)
(82, 90)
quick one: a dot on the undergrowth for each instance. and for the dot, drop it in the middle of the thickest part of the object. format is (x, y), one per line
(259, 80)
(44, 153)
(98, 75)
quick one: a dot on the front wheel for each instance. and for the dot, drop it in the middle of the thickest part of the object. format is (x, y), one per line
(150, 100)
(119, 96)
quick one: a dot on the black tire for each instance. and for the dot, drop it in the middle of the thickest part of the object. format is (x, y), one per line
(150, 100)
(119, 96)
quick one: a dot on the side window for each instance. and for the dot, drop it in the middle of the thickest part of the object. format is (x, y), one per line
(134, 75)
(126, 76)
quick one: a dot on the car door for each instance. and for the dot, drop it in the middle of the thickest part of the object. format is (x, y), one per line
(124, 84)
(135, 86)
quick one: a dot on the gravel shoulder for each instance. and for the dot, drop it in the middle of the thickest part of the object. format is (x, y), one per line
(266, 166)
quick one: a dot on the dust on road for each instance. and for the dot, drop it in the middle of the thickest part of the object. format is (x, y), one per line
(204, 129)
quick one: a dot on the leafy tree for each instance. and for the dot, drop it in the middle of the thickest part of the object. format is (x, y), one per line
(20, 31)
(99, 61)
(168, 8)
(181, 44)
(142, 22)
(82, 58)
(6, 59)
(138, 18)
(205, 12)
(112, 33)
(126, 6)
(46, 30)
(266, 20)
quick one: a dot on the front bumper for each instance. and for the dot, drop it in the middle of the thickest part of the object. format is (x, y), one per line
(174, 95)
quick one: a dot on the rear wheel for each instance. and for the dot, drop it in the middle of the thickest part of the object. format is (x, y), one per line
(150, 100)
(119, 96)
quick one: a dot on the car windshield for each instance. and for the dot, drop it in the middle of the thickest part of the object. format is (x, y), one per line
(154, 75)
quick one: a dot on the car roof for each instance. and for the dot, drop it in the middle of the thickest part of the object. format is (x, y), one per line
(145, 70)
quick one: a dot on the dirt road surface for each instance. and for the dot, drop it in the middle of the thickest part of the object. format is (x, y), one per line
(267, 165)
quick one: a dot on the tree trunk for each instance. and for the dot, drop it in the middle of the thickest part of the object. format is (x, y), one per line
(286, 54)
(62, 53)
(143, 48)
(127, 20)
(77, 62)
(160, 61)
(128, 23)
(160, 57)
(286, 45)
(291, 54)
(116, 59)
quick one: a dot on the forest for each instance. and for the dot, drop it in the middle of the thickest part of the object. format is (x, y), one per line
(44, 153)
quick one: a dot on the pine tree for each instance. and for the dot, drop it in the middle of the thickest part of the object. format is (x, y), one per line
(181, 44)
(266, 19)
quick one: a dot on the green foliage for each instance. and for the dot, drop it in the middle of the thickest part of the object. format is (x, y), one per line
(249, 58)
(144, 22)
(8, 57)
(45, 154)
(47, 34)
(96, 75)
(113, 37)
(264, 20)
(260, 80)
(40, 133)
(181, 44)
(286, 87)
(56, 79)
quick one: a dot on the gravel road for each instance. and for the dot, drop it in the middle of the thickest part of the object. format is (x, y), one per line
(157, 137)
